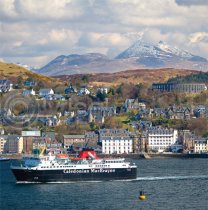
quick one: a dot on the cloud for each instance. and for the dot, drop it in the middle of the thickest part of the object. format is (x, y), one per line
(36, 31)
(191, 2)
(199, 37)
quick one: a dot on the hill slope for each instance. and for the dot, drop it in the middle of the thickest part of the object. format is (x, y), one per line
(146, 76)
(12, 72)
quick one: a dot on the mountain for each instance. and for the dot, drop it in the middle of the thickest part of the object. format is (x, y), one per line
(141, 55)
(158, 55)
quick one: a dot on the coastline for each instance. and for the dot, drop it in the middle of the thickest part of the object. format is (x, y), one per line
(132, 156)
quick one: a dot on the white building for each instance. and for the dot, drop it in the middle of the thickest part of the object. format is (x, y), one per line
(28, 92)
(201, 146)
(116, 141)
(103, 90)
(83, 91)
(11, 144)
(3, 140)
(160, 139)
(45, 92)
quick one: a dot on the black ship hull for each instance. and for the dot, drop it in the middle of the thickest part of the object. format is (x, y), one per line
(67, 175)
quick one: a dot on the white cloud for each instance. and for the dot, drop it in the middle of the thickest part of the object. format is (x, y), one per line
(199, 37)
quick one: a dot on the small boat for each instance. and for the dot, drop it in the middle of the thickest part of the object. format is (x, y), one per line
(4, 159)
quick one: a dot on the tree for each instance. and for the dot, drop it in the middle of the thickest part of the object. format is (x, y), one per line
(199, 126)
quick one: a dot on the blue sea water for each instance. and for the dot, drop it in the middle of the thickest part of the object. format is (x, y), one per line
(169, 184)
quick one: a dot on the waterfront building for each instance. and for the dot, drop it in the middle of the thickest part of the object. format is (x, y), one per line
(116, 141)
(11, 144)
(3, 140)
(75, 140)
(201, 145)
(161, 139)
(14, 144)
(28, 137)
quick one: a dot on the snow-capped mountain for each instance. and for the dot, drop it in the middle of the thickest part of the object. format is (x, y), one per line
(161, 50)
(141, 55)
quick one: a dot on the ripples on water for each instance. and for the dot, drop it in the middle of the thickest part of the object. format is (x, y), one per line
(169, 184)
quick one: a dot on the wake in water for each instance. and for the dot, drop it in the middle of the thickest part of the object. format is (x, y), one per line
(171, 178)
(129, 180)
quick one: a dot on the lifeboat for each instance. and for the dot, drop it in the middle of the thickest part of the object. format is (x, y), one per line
(76, 158)
(62, 156)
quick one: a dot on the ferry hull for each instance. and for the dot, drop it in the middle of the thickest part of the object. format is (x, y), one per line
(44, 176)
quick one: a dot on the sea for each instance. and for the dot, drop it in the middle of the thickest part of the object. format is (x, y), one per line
(168, 183)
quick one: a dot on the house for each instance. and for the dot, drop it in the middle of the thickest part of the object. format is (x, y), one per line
(201, 112)
(30, 83)
(54, 97)
(1, 131)
(45, 92)
(103, 90)
(182, 113)
(144, 125)
(201, 145)
(81, 116)
(133, 104)
(5, 86)
(5, 115)
(28, 92)
(70, 89)
(49, 121)
(83, 91)
(98, 113)
(116, 141)
(160, 139)
(159, 112)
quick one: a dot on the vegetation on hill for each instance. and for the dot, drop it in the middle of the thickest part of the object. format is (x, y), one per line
(144, 76)
(200, 77)
(17, 73)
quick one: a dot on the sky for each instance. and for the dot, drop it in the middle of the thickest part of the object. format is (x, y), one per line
(34, 32)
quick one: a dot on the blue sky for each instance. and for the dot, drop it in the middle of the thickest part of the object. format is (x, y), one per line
(35, 31)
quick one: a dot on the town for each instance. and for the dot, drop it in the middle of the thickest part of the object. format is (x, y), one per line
(126, 119)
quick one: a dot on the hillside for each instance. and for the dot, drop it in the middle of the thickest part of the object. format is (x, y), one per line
(199, 77)
(12, 72)
(145, 76)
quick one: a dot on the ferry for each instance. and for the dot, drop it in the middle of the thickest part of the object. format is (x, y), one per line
(61, 168)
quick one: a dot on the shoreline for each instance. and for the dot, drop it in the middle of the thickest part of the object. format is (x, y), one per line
(132, 156)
